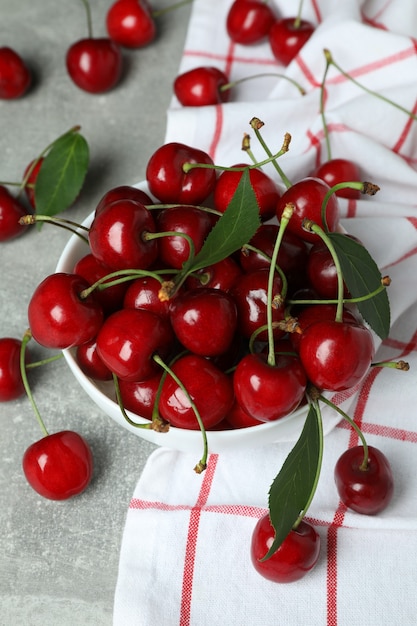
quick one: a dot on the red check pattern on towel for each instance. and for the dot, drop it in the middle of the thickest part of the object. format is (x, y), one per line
(185, 552)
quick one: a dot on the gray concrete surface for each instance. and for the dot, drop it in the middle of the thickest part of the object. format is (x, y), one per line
(59, 560)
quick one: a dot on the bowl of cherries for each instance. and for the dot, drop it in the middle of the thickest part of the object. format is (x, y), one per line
(199, 306)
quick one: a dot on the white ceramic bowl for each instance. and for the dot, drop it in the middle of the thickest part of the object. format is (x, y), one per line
(285, 429)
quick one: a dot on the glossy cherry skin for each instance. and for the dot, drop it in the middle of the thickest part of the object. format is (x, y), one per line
(286, 38)
(11, 210)
(175, 250)
(250, 293)
(59, 466)
(90, 363)
(11, 383)
(336, 355)
(30, 176)
(264, 187)
(210, 389)
(128, 340)
(338, 171)
(238, 418)
(117, 236)
(315, 313)
(92, 269)
(140, 397)
(15, 77)
(130, 23)
(204, 321)
(221, 275)
(367, 491)
(142, 293)
(307, 196)
(201, 86)
(249, 21)
(267, 392)
(123, 192)
(322, 273)
(94, 65)
(296, 556)
(59, 317)
(168, 181)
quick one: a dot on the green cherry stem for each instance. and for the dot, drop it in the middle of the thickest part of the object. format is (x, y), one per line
(257, 124)
(158, 12)
(234, 83)
(25, 340)
(202, 464)
(322, 113)
(299, 14)
(384, 284)
(89, 20)
(50, 359)
(118, 277)
(73, 227)
(146, 425)
(401, 365)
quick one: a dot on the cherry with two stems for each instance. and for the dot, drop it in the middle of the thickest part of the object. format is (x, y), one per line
(58, 466)
(94, 64)
(15, 76)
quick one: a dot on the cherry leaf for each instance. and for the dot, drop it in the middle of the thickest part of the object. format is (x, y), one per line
(292, 487)
(233, 229)
(362, 276)
(62, 174)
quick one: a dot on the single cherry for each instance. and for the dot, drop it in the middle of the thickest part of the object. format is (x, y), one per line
(336, 171)
(90, 363)
(123, 192)
(11, 210)
(201, 86)
(367, 490)
(15, 76)
(296, 556)
(11, 383)
(130, 23)
(287, 36)
(249, 21)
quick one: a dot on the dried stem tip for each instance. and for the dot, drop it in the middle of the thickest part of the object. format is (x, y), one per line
(256, 123)
(166, 291)
(369, 188)
(27, 220)
(246, 142)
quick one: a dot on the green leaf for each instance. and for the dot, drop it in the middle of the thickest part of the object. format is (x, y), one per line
(362, 276)
(62, 174)
(295, 483)
(233, 229)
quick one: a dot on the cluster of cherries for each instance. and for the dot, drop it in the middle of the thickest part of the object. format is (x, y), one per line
(94, 64)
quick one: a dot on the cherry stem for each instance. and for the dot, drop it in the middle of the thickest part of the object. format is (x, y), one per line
(310, 226)
(249, 247)
(206, 209)
(202, 464)
(257, 124)
(319, 418)
(322, 107)
(172, 233)
(331, 61)
(50, 359)
(89, 20)
(234, 83)
(120, 276)
(403, 366)
(353, 424)
(285, 218)
(158, 12)
(147, 425)
(25, 340)
(73, 227)
(367, 296)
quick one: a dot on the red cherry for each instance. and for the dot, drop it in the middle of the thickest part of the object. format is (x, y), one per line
(201, 86)
(296, 556)
(15, 77)
(168, 181)
(322, 273)
(249, 21)
(128, 340)
(142, 293)
(338, 171)
(59, 317)
(130, 23)
(269, 392)
(11, 210)
(117, 234)
(367, 491)
(265, 188)
(11, 383)
(221, 275)
(90, 363)
(140, 397)
(92, 269)
(94, 64)
(123, 192)
(238, 418)
(210, 389)
(318, 312)
(204, 321)
(287, 37)
(30, 176)
(307, 196)
(336, 355)
(59, 466)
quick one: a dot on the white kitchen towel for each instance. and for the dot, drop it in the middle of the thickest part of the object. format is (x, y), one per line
(185, 551)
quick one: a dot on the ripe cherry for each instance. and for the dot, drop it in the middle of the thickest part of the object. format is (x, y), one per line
(204, 320)
(128, 340)
(336, 355)
(269, 392)
(287, 36)
(143, 293)
(140, 397)
(265, 188)
(367, 490)
(201, 86)
(307, 196)
(94, 64)
(11, 210)
(15, 76)
(123, 192)
(130, 23)
(322, 273)
(338, 171)
(318, 312)
(59, 466)
(209, 388)
(11, 383)
(249, 21)
(90, 363)
(168, 180)
(59, 317)
(296, 556)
